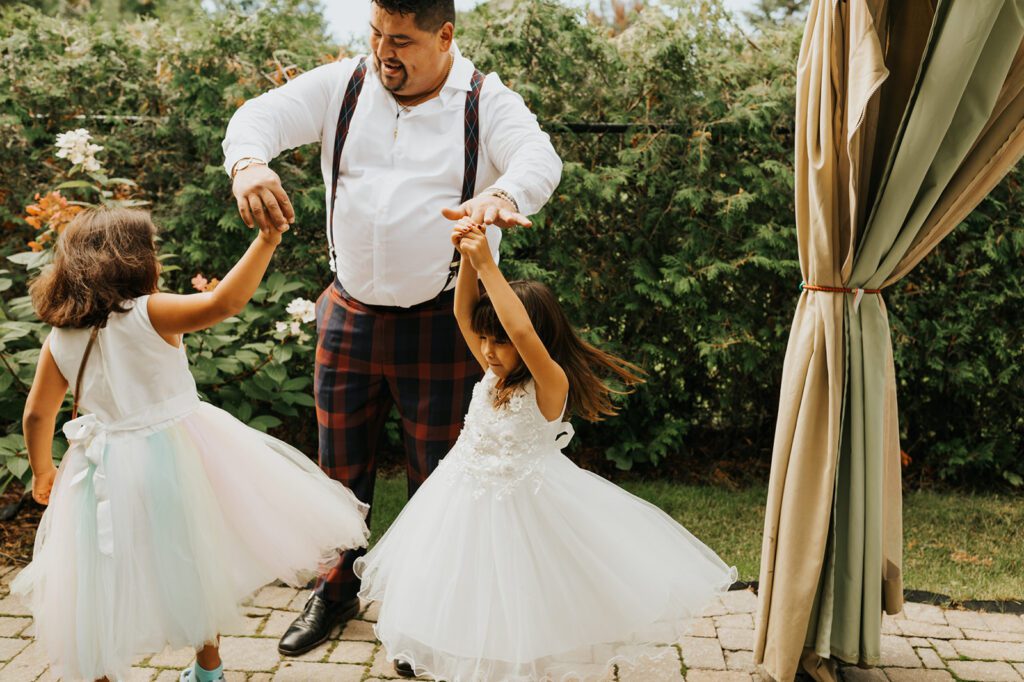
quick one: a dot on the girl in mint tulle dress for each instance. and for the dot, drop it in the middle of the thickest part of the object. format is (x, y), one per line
(166, 512)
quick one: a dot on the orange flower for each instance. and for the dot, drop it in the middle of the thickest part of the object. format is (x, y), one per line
(49, 216)
(213, 284)
(51, 212)
(65, 217)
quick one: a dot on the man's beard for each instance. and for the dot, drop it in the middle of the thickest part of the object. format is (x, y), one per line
(401, 82)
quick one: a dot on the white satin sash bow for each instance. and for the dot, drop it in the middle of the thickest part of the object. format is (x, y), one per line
(91, 436)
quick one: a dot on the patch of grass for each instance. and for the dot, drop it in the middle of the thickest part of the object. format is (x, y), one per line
(967, 546)
(389, 496)
(730, 522)
(963, 545)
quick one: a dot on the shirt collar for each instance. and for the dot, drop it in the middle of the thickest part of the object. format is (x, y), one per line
(459, 80)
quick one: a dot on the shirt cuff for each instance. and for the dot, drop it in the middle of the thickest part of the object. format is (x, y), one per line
(241, 151)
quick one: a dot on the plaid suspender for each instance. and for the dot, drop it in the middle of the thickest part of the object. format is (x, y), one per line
(472, 125)
(348, 107)
(472, 153)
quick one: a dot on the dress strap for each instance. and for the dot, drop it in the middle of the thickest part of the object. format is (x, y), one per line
(81, 371)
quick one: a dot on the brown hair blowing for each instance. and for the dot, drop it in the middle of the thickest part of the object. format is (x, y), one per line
(105, 258)
(585, 365)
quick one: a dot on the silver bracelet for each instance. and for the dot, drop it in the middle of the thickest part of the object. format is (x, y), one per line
(502, 194)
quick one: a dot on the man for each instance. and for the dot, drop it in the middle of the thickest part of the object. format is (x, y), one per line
(407, 136)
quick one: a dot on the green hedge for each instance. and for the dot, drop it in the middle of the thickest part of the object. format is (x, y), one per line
(674, 247)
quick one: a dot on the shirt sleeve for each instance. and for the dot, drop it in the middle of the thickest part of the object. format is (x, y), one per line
(286, 117)
(522, 152)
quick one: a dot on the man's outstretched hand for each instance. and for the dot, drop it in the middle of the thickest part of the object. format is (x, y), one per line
(261, 199)
(488, 209)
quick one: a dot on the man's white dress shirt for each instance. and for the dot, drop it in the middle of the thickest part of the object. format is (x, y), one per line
(399, 168)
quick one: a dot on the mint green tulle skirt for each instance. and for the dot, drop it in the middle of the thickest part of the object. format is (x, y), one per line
(156, 534)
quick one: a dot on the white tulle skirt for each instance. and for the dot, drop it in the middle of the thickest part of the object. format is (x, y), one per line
(155, 537)
(552, 582)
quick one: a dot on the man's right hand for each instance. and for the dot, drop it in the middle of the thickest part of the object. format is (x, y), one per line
(262, 201)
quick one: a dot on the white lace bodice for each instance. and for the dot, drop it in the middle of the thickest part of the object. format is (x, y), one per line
(501, 448)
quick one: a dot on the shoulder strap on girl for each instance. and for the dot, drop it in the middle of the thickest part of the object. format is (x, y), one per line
(81, 370)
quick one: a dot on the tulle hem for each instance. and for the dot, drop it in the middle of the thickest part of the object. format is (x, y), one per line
(203, 512)
(633, 656)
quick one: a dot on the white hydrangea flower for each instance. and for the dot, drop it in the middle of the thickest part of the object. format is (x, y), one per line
(75, 146)
(292, 328)
(302, 310)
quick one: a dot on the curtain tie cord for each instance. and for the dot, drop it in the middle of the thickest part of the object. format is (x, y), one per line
(858, 294)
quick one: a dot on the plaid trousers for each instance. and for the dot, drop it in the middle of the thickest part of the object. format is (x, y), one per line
(369, 358)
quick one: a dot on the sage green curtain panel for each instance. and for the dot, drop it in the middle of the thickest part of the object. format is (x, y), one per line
(907, 115)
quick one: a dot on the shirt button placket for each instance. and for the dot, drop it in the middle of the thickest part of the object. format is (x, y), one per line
(384, 196)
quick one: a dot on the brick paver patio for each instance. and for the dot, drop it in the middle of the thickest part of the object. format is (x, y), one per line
(923, 644)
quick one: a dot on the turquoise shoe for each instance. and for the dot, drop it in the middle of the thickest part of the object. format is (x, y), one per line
(189, 675)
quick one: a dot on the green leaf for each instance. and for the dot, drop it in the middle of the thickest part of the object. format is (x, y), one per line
(78, 184)
(247, 357)
(296, 384)
(17, 465)
(264, 422)
(26, 258)
(295, 398)
(276, 372)
(12, 444)
(228, 365)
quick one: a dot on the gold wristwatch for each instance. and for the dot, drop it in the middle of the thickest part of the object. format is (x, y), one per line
(244, 163)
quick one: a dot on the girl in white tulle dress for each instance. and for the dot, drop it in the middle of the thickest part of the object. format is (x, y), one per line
(511, 563)
(166, 513)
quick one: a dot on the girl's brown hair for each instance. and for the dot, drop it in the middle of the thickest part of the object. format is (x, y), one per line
(105, 258)
(585, 365)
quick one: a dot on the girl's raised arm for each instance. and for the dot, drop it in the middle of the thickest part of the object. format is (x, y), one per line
(551, 380)
(181, 313)
(467, 293)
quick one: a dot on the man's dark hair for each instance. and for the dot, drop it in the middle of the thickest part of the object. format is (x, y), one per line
(429, 15)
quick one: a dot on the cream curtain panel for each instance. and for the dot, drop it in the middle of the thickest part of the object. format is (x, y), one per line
(908, 113)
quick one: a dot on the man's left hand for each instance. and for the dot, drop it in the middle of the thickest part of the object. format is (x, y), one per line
(488, 209)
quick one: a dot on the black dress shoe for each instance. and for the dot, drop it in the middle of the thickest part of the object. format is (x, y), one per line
(313, 627)
(404, 668)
